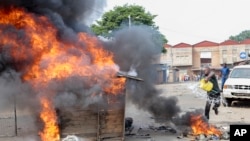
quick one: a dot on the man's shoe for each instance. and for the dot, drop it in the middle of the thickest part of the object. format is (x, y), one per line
(207, 117)
(216, 110)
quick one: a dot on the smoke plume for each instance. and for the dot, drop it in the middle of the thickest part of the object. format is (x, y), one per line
(67, 15)
(138, 48)
(135, 48)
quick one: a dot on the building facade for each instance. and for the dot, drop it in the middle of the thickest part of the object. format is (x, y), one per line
(190, 59)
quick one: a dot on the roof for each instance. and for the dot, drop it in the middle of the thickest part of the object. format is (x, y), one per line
(246, 41)
(182, 45)
(167, 45)
(206, 44)
(229, 42)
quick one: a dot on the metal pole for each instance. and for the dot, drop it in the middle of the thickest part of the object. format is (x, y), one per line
(15, 115)
(98, 123)
(171, 57)
(124, 108)
(129, 21)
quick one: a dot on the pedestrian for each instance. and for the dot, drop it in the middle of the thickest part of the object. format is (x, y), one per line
(213, 96)
(199, 77)
(224, 74)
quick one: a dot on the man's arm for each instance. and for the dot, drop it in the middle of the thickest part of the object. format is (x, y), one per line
(209, 76)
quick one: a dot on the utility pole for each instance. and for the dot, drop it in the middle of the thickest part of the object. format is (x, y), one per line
(129, 21)
(172, 57)
(15, 117)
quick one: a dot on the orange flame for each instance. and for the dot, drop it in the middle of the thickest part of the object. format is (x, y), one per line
(52, 59)
(48, 116)
(199, 126)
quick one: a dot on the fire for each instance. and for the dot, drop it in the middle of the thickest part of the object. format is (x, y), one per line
(200, 126)
(48, 116)
(33, 43)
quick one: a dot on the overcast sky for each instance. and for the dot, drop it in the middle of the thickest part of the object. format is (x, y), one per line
(192, 21)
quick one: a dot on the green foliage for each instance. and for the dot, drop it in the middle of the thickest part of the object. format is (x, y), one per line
(242, 36)
(164, 50)
(119, 17)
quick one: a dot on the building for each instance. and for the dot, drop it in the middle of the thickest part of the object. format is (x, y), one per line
(190, 59)
(182, 59)
(206, 53)
(166, 57)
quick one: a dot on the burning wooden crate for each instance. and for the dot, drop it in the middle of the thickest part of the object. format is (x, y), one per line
(103, 122)
(96, 123)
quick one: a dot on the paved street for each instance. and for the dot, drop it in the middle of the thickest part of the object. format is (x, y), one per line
(189, 98)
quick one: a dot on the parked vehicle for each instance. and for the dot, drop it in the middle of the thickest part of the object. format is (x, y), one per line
(237, 86)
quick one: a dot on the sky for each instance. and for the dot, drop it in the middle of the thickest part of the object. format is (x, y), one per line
(193, 21)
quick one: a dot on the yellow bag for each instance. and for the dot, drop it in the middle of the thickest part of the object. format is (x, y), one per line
(206, 86)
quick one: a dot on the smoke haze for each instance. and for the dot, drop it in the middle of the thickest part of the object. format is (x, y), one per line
(139, 47)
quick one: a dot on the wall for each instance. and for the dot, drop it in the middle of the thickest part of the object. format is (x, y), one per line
(182, 56)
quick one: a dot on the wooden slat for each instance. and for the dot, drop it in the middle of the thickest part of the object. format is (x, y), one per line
(84, 123)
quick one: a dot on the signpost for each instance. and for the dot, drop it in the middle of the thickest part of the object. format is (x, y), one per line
(243, 55)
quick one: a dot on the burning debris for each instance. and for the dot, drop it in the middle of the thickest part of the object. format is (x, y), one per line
(51, 66)
(200, 126)
(199, 129)
(60, 65)
(129, 125)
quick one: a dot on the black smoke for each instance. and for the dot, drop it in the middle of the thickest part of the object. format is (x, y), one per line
(69, 16)
(185, 119)
(135, 48)
(138, 48)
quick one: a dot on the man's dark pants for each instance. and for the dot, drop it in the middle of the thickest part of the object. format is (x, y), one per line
(223, 80)
(215, 98)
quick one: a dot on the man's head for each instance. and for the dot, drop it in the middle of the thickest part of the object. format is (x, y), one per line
(224, 65)
(207, 70)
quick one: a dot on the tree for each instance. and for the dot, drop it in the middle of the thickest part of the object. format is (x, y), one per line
(242, 36)
(119, 17)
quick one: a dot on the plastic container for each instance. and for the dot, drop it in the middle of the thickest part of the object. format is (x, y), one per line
(206, 86)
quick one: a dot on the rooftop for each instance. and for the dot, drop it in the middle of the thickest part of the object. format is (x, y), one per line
(206, 43)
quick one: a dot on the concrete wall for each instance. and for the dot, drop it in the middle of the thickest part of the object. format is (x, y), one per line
(230, 54)
(182, 56)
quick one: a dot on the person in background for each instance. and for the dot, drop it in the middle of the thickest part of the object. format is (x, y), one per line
(224, 74)
(213, 96)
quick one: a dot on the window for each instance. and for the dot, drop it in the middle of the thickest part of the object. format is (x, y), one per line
(224, 52)
(205, 54)
(240, 73)
(205, 65)
(234, 59)
(247, 50)
(224, 60)
(234, 51)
